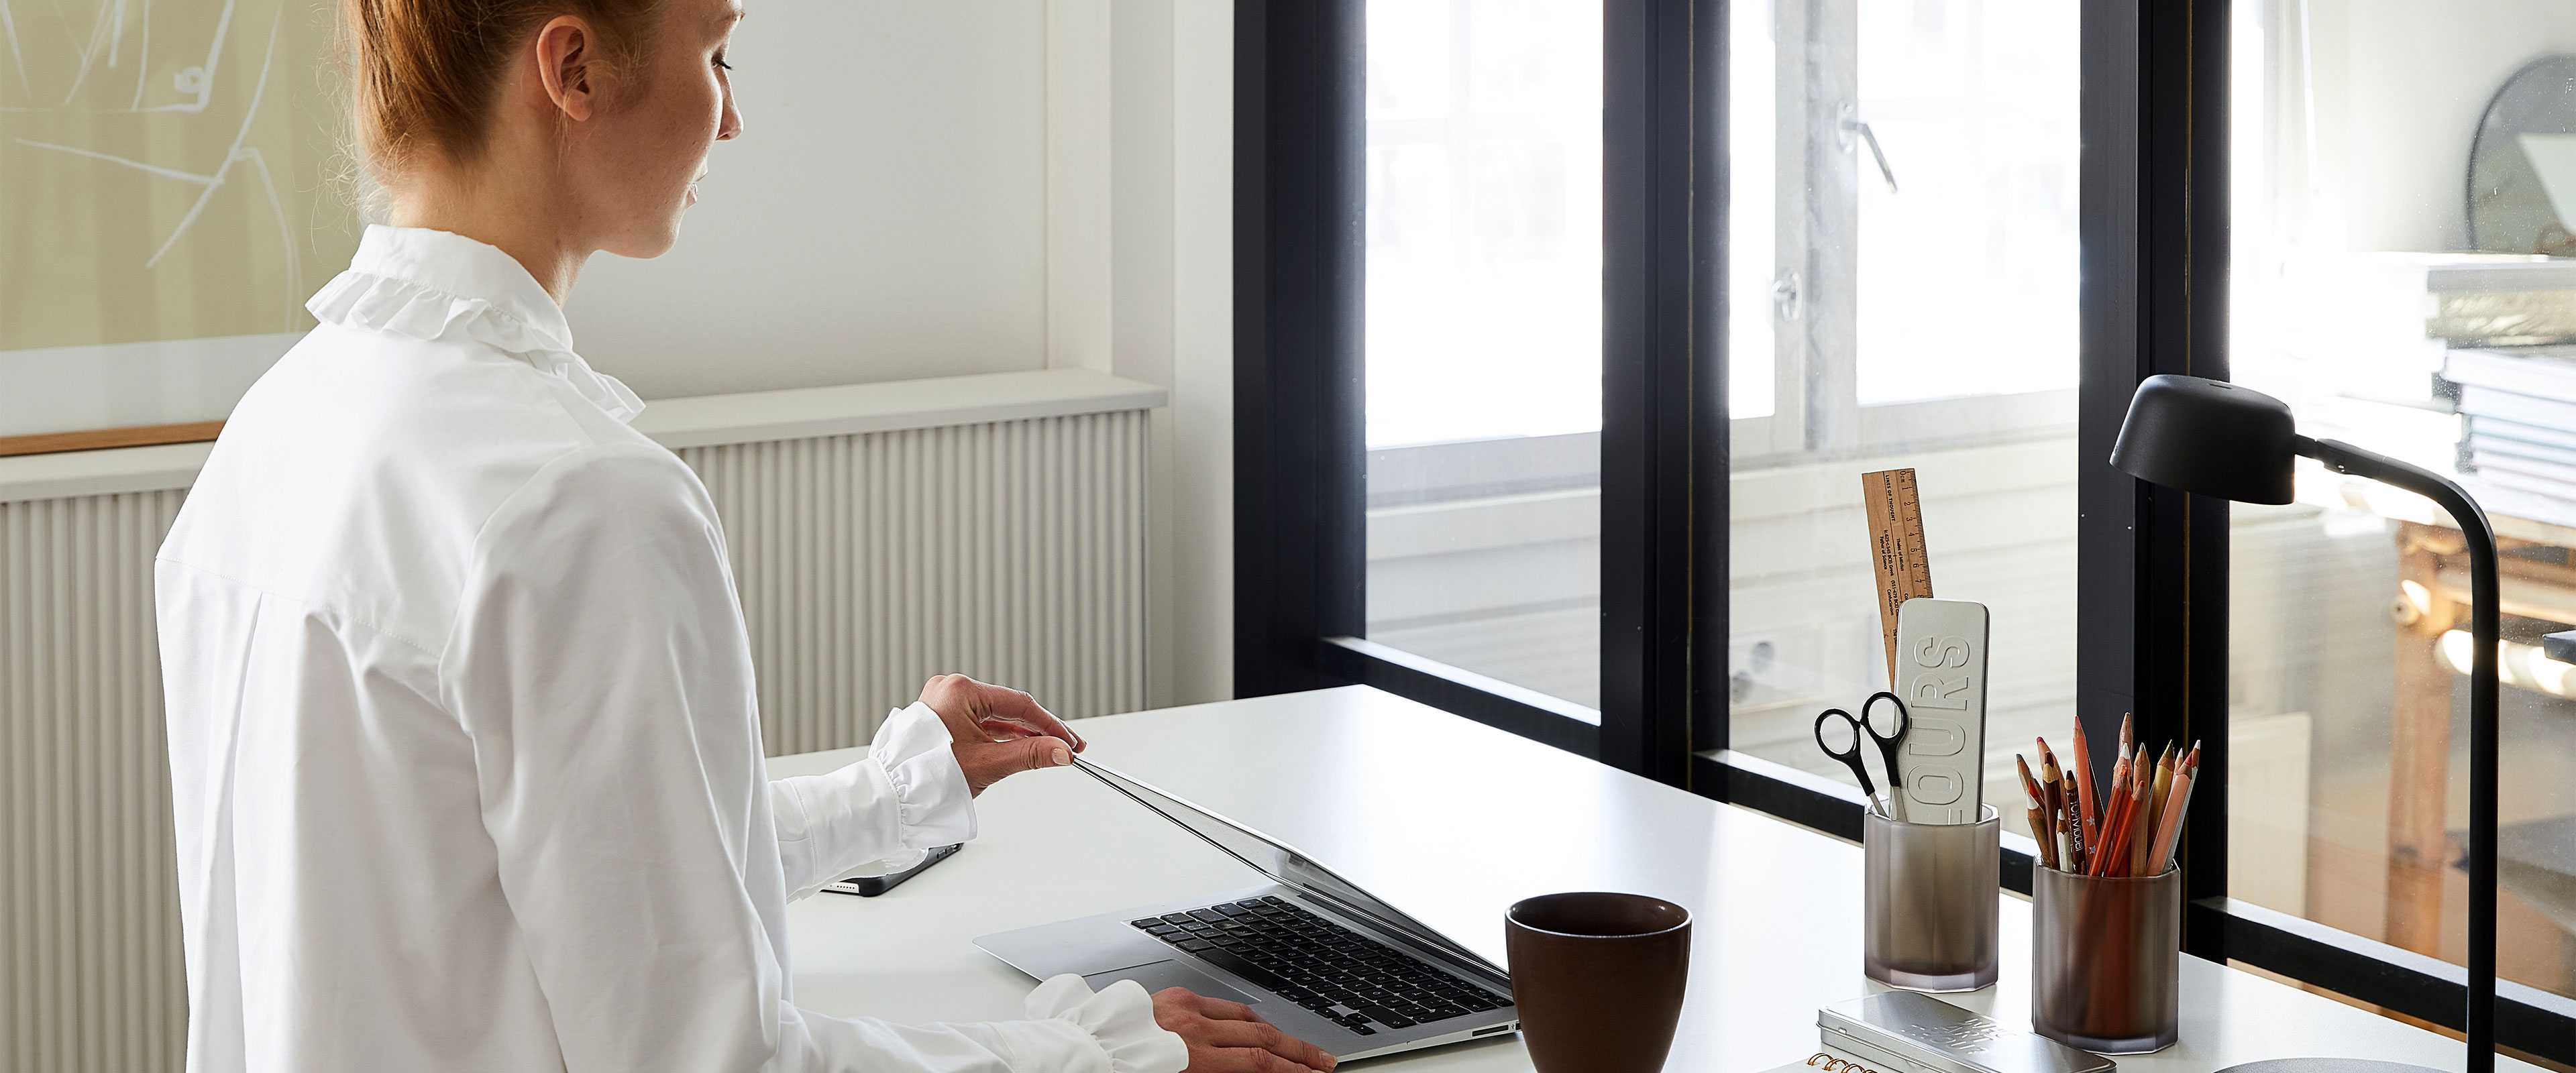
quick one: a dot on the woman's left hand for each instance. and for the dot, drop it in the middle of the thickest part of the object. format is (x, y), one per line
(997, 731)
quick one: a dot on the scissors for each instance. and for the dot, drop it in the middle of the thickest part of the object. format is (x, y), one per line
(1887, 747)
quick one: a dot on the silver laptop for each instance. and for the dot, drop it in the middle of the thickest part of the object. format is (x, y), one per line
(1310, 951)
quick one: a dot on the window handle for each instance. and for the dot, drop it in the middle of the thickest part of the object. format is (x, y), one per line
(1852, 124)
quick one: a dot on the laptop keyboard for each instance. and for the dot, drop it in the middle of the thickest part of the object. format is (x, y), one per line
(1359, 983)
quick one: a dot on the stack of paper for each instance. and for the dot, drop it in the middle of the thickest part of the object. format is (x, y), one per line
(2518, 423)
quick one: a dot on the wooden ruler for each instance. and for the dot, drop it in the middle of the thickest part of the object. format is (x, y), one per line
(1904, 569)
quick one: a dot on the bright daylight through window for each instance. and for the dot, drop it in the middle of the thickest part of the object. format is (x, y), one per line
(1918, 310)
(1483, 344)
(2390, 311)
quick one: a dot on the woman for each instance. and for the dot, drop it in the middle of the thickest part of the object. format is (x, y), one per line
(462, 729)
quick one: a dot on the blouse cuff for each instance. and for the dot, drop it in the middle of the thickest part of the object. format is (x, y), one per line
(931, 799)
(1119, 1018)
(876, 816)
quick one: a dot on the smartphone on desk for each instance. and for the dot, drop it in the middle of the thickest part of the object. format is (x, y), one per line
(871, 886)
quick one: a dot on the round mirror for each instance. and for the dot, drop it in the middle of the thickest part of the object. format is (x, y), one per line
(2524, 153)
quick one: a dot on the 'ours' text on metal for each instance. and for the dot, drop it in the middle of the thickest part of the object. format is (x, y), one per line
(1942, 681)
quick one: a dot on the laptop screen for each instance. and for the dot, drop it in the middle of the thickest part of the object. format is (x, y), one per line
(1280, 862)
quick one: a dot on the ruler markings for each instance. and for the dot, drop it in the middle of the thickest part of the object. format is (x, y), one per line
(1894, 507)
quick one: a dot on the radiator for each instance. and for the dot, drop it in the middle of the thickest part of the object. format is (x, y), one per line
(1010, 550)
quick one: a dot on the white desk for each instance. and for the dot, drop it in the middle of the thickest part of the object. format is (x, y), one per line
(1453, 822)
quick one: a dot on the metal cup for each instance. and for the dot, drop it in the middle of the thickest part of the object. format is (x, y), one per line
(2106, 960)
(1928, 893)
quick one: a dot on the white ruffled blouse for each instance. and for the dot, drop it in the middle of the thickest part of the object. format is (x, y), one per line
(463, 739)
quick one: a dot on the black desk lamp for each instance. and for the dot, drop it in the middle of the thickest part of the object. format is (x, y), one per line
(2217, 439)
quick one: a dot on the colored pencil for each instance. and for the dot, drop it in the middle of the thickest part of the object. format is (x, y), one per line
(2049, 782)
(2021, 767)
(2177, 802)
(2084, 788)
(2111, 798)
(2165, 762)
(2095, 861)
(2114, 820)
(2119, 788)
(2061, 806)
(2142, 825)
(2078, 849)
(2043, 829)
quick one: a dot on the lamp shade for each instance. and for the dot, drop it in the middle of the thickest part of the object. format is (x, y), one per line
(2210, 437)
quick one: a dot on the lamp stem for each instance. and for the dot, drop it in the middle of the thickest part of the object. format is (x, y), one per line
(2486, 622)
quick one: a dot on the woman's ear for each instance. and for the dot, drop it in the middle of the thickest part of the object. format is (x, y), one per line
(567, 62)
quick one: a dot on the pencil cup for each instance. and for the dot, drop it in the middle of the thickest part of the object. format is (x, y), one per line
(1928, 895)
(2106, 960)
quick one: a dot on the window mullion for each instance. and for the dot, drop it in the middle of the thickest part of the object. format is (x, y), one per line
(1828, 75)
(1789, 283)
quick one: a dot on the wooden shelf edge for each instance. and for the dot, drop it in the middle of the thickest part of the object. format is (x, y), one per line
(103, 438)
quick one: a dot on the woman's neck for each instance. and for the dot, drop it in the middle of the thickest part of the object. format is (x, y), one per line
(514, 217)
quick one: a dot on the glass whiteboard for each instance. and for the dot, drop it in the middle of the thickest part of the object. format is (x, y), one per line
(172, 188)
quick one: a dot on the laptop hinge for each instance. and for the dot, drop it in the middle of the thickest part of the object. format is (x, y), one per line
(1428, 941)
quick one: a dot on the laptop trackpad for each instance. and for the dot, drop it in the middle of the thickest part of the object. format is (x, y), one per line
(1162, 974)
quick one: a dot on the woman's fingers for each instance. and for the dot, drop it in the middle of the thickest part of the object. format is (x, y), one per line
(1228, 1037)
(1007, 729)
(1266, 1041)
(1000, 702)
(987, 762)
(1217, 1009)
(1244, 1060)
(974, 709)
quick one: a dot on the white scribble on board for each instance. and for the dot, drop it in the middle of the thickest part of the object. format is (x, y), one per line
(89, 52)
(199, 81)
(194, 84)
(17, 59)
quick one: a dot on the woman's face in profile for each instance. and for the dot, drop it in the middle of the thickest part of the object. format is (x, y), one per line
(647, 151)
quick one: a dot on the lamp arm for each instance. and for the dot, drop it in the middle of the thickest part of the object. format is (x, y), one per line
(2486, 623)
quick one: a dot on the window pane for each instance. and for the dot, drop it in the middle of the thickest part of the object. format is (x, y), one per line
(1751, 75)
(1979, 298)
(1937, 332)
(2357, 278)
(1483, 337)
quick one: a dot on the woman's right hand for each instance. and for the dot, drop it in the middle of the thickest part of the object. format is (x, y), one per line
(997, 731)
(1227, 1037)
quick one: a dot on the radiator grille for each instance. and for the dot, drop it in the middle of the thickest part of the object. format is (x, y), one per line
(1013, 551)
(91, 949)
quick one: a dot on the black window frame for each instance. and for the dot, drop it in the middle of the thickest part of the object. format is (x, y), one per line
(2152, 565)
(1299, 258)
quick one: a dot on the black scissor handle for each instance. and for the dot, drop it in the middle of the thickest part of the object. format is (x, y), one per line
(1839, 754)
(1904, 718)
(1850, 757)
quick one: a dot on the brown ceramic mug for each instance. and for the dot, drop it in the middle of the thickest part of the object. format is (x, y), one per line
(1598, 978)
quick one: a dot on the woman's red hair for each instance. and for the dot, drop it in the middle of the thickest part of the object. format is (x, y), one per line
(423, 72)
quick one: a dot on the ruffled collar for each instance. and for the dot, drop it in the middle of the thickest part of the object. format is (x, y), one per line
(431, 284)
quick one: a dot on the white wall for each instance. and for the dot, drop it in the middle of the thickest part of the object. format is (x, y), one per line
(1202, 498)
(882, 217)
(2399, 88)
(963, 186)
(1140, 225)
